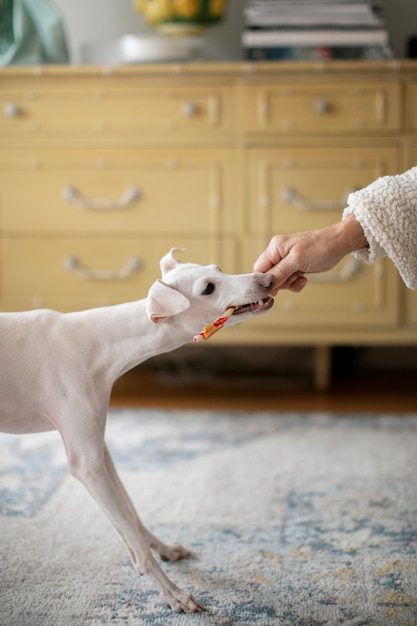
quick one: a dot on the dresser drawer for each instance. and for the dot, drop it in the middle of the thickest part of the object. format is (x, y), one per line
(77, 273)
(322, 108)
(157, 191)
(304, 188)
(113, 105)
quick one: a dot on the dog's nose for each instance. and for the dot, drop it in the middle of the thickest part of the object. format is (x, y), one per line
(267, 281)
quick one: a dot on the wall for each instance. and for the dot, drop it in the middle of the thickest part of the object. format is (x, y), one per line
(104, 20)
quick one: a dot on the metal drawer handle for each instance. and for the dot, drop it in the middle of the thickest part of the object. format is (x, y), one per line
(71, 194)
(322, 106)
(11, 109)
(294, 197)
(189, 109)
(133, 264)
(351, 267)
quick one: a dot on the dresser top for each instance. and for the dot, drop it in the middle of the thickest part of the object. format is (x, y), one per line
(212, 69)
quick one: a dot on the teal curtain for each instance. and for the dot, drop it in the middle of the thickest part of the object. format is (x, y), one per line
(31, 32)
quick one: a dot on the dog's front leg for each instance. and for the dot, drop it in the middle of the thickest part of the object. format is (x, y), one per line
(166, 553)
(87, 460)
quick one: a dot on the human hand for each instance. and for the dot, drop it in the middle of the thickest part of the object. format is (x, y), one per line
(290, 257)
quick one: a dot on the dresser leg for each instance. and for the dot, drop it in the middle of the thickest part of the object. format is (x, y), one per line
(322, 367)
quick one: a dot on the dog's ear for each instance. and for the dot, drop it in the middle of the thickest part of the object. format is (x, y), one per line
(164, 301)
(168, 262)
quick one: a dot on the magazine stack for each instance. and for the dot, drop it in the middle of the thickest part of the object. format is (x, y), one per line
(314, 30)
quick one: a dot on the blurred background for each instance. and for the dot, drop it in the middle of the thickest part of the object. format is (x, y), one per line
(105, 20)
(91, 29)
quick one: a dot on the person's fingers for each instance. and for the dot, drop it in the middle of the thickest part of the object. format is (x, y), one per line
(286, 270)
(264, 263)
(284, 266)
(271, 256)
(298, 284)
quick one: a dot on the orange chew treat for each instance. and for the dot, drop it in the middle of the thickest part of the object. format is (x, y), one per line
(210, 329)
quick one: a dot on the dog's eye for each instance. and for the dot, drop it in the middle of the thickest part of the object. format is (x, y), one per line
(208, 290)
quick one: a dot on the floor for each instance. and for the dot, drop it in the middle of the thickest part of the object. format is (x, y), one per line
(352, 390)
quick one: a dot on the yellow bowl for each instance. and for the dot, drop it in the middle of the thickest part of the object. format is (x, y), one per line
(181, 17)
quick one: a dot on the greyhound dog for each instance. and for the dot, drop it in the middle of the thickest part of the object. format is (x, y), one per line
(58, 370)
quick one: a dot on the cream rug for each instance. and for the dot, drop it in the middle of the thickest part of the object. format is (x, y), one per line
(294, 520)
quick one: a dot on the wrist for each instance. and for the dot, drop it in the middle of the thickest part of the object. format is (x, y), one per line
(352, 234)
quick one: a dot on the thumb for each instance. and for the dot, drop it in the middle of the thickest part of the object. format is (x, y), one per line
(286, 274)
(264, 263)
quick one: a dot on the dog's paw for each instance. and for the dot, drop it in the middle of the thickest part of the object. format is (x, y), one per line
(181, 602)
(174, 553)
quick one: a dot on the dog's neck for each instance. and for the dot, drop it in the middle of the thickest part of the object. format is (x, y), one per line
(127, 336)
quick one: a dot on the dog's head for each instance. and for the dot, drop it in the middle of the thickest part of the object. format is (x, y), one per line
(202, 293)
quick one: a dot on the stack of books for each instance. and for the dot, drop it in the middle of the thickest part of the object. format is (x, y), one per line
(314, 30)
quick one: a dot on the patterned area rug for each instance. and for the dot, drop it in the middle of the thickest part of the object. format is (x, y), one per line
(293, 519)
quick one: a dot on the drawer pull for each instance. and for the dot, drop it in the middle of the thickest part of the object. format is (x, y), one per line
(350, 268)
(71, 194)
(133, 264)
(11, 109)
(189, 109)
(322, 106)
(293, 197)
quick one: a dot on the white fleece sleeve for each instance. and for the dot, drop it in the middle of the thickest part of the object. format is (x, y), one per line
(387, 212)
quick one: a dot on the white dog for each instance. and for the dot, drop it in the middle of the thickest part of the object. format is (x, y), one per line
(58, 371)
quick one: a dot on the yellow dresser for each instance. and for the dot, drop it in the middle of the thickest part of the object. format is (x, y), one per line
(102, 170)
